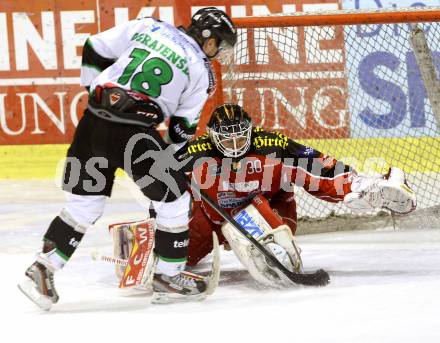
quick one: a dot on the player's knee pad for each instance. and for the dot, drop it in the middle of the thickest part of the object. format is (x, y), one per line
(173, 214)
(85, 210)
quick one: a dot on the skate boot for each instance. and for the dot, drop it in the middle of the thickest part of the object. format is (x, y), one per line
(182, 287)
(39, 286)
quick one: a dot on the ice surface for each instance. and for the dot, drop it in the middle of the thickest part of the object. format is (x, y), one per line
(385, 287)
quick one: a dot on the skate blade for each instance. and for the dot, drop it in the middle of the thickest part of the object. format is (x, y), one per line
(28, 289)
(169, 298)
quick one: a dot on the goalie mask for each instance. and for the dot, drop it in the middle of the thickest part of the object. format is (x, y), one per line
(230, 130)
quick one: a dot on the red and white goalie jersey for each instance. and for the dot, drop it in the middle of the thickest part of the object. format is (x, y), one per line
(270, 167)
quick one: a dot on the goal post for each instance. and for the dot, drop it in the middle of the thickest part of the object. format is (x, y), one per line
(347, 83)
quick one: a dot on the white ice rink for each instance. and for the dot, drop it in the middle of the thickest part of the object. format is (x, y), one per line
(385, 287)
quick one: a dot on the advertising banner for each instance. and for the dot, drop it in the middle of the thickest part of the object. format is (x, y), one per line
(302, 81)
(40, 56)
(387, 95)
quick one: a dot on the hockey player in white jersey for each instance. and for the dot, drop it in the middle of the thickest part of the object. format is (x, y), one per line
(138, 74)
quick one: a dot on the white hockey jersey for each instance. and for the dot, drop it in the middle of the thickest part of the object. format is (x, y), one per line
(153, 58)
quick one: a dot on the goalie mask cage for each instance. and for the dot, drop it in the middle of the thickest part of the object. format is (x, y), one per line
(360, 86)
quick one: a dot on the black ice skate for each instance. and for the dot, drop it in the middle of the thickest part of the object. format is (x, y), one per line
(182, 287)
(39, 286)
(187, 286)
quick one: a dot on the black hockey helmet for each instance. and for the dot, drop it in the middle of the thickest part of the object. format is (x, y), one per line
(210, 22)
(230, 130)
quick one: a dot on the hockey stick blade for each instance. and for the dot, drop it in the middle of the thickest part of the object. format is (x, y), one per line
(214, 276)
(318, 278)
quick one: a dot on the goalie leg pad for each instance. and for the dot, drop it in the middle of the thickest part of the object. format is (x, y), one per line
(279, 241)
(281, 244)
(141, 261)
(134, 241)
(123, 235)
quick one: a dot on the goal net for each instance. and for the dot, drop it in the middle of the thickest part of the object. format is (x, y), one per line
(361, 86)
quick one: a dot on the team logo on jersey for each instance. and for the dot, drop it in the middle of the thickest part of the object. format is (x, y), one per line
(244, 187)
(328, 162)
(235, 166)
(155, 28)
(114, 98)
(308, 151)
(199, 147)
(264, 141)
(230, 199)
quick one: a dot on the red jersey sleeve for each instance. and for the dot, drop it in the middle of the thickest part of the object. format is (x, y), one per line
(320, 175)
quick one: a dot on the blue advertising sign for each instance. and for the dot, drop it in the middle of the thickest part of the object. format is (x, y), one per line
(387, 96)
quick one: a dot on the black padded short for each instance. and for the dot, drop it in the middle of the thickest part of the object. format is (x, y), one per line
(99, 147)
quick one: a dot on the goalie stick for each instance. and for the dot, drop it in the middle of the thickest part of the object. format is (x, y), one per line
(96, 256)
(318, 278)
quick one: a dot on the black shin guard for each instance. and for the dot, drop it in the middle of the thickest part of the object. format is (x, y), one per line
(172, 246)
(61, 236)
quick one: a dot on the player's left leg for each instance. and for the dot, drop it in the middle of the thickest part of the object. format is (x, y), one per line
(171, 249)
(160, 178)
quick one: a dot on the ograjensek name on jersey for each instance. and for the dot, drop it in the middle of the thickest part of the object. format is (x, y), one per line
(164, 50)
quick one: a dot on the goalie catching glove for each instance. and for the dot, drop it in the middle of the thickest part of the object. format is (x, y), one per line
(390, 192)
